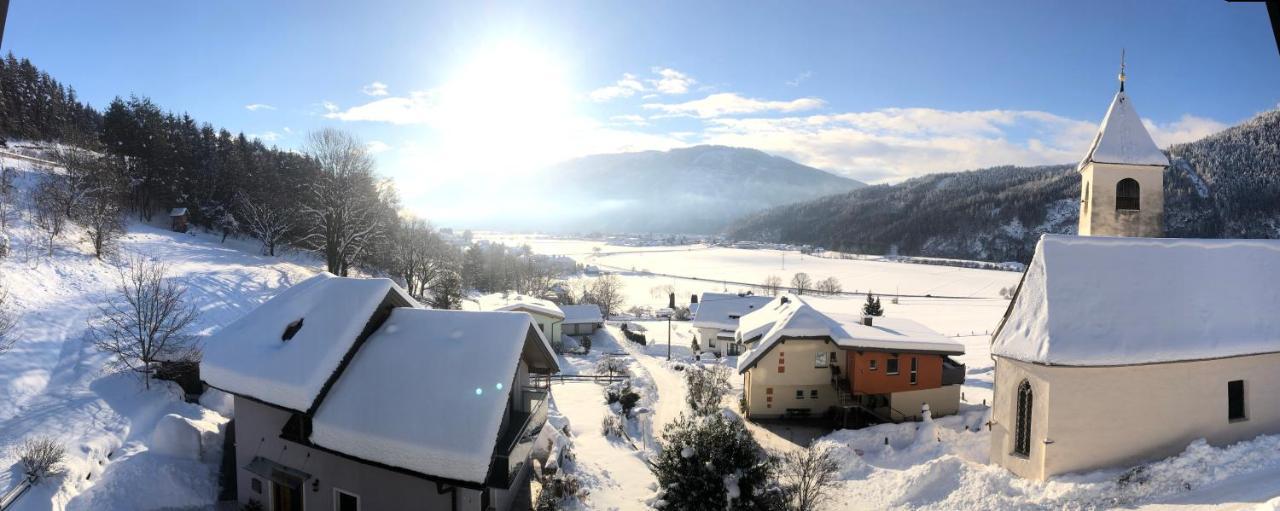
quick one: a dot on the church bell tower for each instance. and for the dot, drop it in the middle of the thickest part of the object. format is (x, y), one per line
(1122, 176)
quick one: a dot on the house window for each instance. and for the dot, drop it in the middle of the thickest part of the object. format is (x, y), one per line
(833, 358)
(813, 394)
(873, 364)
(256, 485)
(799, 394)
(891, 366)
(1235, 401)
(1022, 423)
(820, 360)
(1127, 193)
(345, 501)
(913, 370)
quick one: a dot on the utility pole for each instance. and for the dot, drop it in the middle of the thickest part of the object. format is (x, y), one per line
(668, 338)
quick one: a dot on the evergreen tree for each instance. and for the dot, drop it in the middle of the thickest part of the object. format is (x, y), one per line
(872, 307)
(712, 462)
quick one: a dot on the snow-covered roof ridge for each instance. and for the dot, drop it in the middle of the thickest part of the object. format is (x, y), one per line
(716, 310)
(1123, 139)
(1100, 301)
(789, 316)
(512, 302)
(582, 313)
(443, 421)
(253, 358)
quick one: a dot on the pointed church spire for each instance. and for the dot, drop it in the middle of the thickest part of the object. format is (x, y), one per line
(1121, 69)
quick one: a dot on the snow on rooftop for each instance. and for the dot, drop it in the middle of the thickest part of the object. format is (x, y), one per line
(1098, 301)
(715, 309)
(514, 302)
(789, 316)
(249, 357)
(585, 313)
(1123, 139)
(427, 391)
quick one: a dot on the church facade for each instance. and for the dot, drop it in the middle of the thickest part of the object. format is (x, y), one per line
(1121, 347)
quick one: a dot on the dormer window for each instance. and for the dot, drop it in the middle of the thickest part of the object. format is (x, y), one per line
(291, 330)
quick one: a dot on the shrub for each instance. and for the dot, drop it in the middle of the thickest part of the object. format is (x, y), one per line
(611, 426)
(707, 385)
(628, 400)
(808, 475)
(706, 462)
(556, 489)
(41, 457)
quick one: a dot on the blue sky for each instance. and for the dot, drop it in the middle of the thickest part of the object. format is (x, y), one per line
(453, 96)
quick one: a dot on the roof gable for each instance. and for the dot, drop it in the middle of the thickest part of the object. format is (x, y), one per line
(584, 313)
(723, 310)
(427, 391)
(1122, 138)
(1098, 301)
(251, 356)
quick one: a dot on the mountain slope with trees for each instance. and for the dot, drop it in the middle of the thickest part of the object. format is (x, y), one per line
(1226, 185)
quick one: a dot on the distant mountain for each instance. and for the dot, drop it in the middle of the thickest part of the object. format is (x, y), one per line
(691, 190)
(1226, 185)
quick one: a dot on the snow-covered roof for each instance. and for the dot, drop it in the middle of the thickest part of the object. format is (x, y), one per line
(427, 391)
(249, 357)
(1098, 301)
(789, 316)
(177, 211)
(1123, 139)
(515, 302)
(585, 313)
(715, 309)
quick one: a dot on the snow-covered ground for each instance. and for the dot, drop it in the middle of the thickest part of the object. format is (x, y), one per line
(53, 382)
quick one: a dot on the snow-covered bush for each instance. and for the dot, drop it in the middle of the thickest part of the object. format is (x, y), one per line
(7, 320)
(558, 488)
(807, 475)
(707, 386)
(712, 462)
(41, 457)
(611, 426)
(612, 366)
(624, 395)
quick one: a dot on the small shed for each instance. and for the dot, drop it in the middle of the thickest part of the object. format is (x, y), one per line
(178, 217)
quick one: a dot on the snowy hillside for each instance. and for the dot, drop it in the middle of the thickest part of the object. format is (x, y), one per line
(53, 382)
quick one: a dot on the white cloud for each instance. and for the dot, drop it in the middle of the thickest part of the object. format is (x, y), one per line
(377, 146)
(670, 81)
(375, 89)
(629, 120)
(625, 87)
(254, 107)
(268, 136)
(800, 78)
(728, 103)
(1188, 128)
(417, 108)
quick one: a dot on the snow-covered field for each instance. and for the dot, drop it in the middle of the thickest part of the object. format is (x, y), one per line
(53, 382)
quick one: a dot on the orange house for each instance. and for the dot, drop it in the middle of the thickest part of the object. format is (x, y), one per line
(802, 363)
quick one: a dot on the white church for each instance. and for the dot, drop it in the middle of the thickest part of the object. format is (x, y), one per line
(1121, 346)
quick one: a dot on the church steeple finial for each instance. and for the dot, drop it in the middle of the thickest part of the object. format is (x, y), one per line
(1121, 69)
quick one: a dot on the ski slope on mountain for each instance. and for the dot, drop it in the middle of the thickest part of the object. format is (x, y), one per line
(54, 382)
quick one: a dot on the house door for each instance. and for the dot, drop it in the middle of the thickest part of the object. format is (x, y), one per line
(286, 496)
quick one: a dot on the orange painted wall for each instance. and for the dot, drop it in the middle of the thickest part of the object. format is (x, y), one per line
(865, 381)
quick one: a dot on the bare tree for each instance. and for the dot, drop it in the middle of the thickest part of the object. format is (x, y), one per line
(829, 286)
(7, 320)
(269, 223)
(772, 285)
(7, 197)
(606, 292)
(148, 322)
(46, 209)
(84, 175)
(801, 282)
(612, 366)
(41, 457)
(809, 475)
(348, 210)
(102, 214)
(706, 387)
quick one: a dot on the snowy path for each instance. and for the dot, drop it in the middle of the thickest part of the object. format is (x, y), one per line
(671, 387)
(613, 472)
(54, 382)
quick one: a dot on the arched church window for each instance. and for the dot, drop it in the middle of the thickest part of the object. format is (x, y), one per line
(1022, 423)
(1127, 193)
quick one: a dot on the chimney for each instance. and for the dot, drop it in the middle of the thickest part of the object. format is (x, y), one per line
(671, 303)
(866, 319)
(693, 298)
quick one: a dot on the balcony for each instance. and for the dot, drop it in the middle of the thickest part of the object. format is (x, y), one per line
(515, 443)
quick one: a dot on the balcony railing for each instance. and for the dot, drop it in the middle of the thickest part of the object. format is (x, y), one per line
(516, 442)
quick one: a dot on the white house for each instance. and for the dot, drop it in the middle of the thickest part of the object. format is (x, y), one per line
(546, 314)
(717, 319)
(1116, 350)
(581, 320)
(349, 396)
